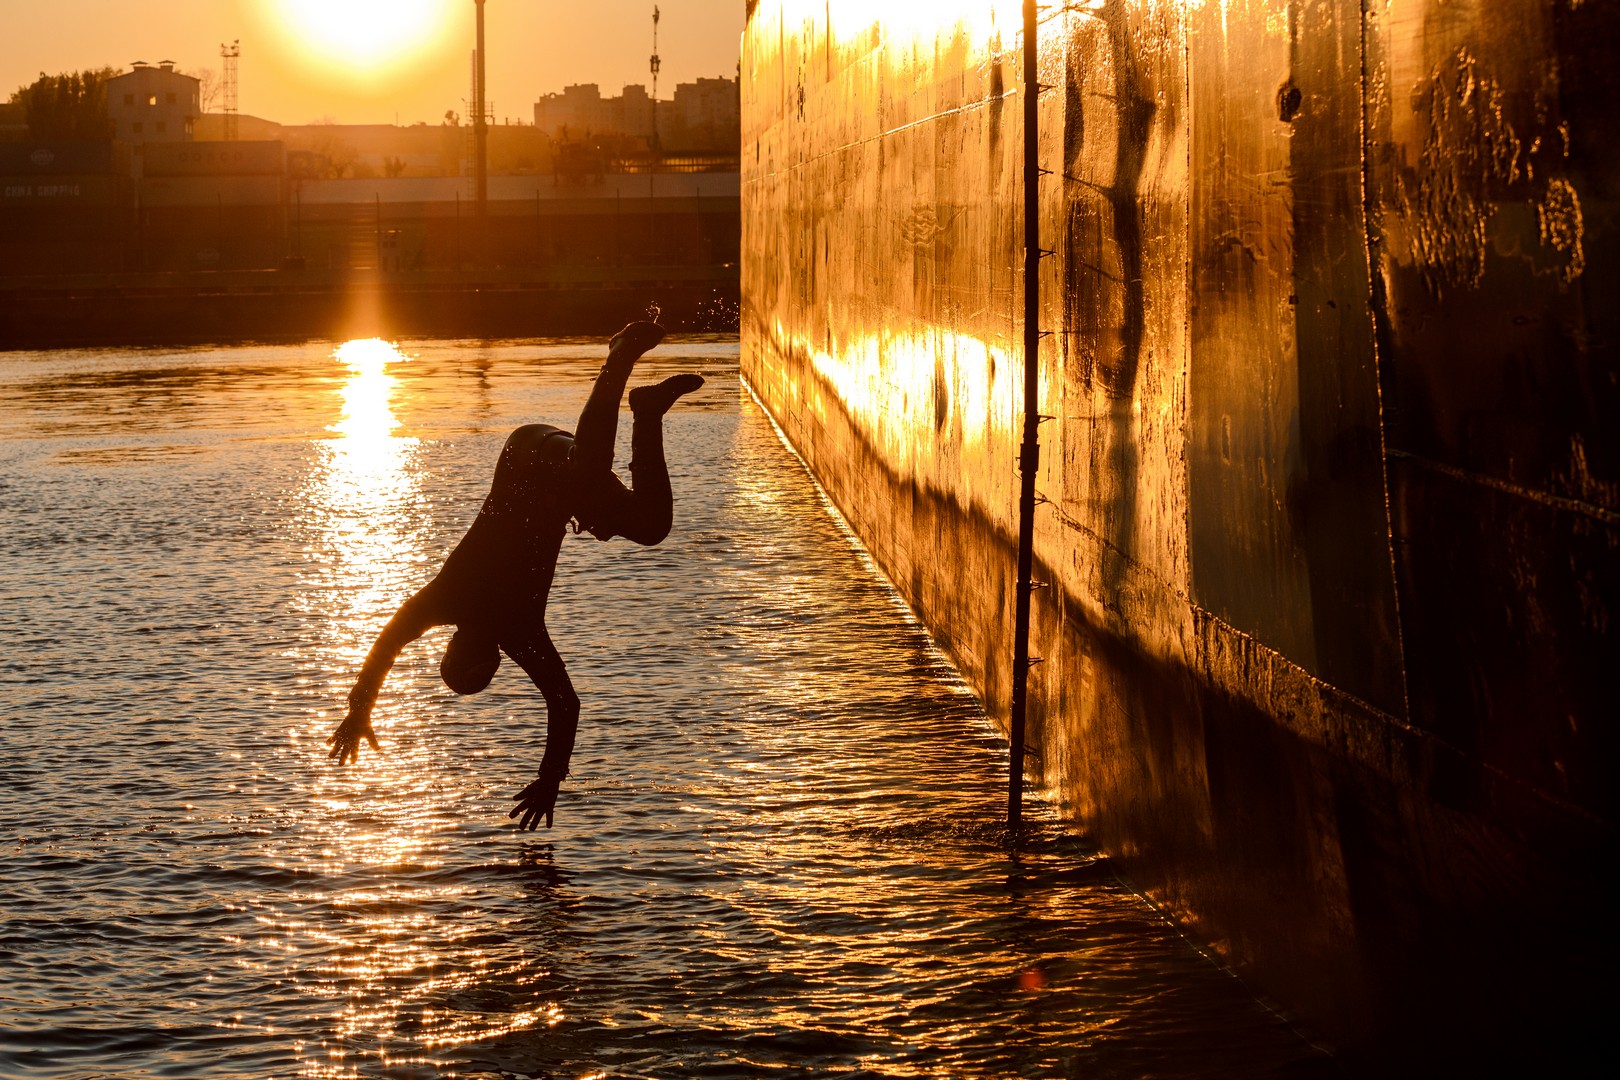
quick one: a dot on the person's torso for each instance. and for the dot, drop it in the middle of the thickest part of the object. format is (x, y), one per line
(508, 558)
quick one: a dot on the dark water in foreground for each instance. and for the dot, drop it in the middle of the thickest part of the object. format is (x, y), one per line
(777, 853)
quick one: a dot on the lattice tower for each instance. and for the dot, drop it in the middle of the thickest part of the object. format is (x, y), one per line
(230, 54)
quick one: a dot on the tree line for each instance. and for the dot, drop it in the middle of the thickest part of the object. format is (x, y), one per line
(70, 107)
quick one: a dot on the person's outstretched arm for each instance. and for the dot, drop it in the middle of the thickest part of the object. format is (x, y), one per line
(413, 619)
(537, 656)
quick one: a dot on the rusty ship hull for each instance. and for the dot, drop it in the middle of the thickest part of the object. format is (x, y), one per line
(1330, 488)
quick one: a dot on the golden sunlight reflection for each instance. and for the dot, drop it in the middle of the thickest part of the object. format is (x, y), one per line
(401, 948)
(364, 498)
(368, 420)
(885, 382)
(907, 19)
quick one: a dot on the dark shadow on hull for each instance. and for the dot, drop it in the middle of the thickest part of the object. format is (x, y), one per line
(1091, 295)
(1304, 836)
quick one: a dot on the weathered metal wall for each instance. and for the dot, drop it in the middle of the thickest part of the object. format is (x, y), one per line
(1332, 475)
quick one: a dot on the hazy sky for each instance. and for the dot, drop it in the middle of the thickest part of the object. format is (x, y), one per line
(364, 61)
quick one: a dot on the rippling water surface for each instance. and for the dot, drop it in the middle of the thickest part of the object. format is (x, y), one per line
(777, 852)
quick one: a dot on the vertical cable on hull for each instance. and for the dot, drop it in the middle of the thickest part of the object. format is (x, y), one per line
(1029, 452)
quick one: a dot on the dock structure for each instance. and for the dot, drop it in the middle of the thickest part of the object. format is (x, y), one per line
(1329, 499)
(221, 241)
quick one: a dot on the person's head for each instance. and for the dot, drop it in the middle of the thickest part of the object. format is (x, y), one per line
(469, 661)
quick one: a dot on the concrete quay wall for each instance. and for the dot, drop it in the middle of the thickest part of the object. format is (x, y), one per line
(235, 306)
(1332, 474)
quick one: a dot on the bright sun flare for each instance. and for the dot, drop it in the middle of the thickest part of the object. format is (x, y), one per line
(365, 33)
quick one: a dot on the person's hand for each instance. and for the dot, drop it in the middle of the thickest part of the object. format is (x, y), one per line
(537, 801)
(345, 741)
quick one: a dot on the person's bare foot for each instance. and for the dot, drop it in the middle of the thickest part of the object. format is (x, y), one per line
(637, 338)
(656, 398)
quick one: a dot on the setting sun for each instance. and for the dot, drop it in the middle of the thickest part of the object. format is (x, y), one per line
(365, 34)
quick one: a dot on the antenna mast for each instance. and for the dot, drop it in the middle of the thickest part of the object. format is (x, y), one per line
(655, 65)
(230, 53)
(480, 137)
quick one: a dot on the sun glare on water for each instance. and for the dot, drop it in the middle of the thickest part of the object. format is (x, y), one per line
(366, 488)
(368, 35)
(366, 413)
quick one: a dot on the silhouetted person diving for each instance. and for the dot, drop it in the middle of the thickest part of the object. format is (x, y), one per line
(493, 587)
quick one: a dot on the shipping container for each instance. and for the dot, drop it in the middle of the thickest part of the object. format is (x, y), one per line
(63, 158)
(24, 192)
(211, 191)
(214, 159)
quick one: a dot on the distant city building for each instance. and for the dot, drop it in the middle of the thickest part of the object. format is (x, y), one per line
(153, 104)
(703, 115)
(581, 110)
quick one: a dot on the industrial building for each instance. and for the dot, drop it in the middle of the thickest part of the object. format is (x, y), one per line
(150, 104)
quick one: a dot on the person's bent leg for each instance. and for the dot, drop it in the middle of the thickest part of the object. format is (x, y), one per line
(599, 420)
(645, 511)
